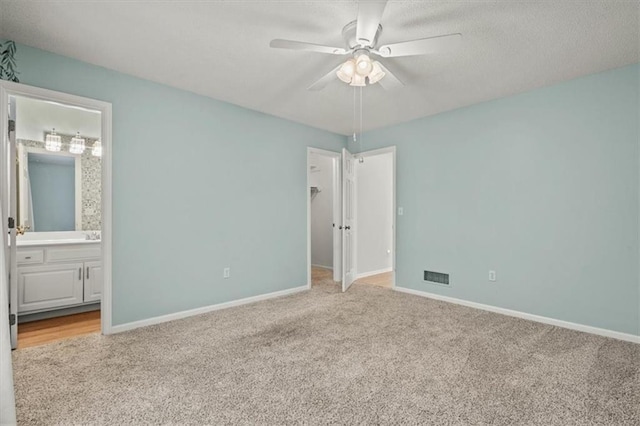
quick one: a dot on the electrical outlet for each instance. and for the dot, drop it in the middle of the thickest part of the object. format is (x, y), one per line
(226, 272)
(492, 275)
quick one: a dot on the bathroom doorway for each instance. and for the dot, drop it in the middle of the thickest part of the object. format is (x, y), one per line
(56, 198)
(324, 207)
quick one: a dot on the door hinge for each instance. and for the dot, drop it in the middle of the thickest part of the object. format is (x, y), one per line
(12, 223)
(12, 125)
(12, 319)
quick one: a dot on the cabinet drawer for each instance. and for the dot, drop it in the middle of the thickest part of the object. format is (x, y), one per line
(72, 254)
(30, 256)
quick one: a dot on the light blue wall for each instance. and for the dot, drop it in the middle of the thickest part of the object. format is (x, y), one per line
(541, 187)
(53, 195)
(198, 185)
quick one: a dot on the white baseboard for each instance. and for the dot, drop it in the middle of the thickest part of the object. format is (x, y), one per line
(531, 317)
(203, 310)
(370, 273)
(322, 267)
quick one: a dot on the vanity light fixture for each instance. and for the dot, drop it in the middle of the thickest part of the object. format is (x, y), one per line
(96, 150)
(52, 141)
(77, 144)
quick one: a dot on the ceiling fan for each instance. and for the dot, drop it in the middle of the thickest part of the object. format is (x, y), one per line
(361, 38)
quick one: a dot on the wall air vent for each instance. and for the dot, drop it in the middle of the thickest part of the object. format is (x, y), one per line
(436, 277)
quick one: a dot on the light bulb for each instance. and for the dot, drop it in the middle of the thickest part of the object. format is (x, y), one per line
(376, 73)
(346, 71)
(363, 65)
(358, 81)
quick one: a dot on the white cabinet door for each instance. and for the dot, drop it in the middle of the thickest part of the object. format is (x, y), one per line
(92, 281)
(50, 286)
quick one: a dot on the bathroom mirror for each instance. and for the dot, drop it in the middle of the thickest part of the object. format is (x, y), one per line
(50, 190)
(58, 187)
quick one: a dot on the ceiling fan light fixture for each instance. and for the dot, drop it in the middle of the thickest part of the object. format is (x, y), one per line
(347, 71)
(358, 81)
(376, 73)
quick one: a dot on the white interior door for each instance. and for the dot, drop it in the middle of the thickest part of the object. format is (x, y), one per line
(337, 220)
(348, 219)
(9, 210)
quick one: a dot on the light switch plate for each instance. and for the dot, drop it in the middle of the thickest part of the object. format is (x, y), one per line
(400, 211)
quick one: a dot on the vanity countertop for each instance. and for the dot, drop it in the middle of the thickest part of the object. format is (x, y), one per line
(31, 239)
(56, 242)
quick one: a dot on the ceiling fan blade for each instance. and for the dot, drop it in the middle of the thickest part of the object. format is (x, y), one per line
(389, 81)
(310, 47)
(324, 80)
(422, 46)
(369, 17)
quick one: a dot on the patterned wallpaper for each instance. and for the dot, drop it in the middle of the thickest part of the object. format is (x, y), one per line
(91, 181)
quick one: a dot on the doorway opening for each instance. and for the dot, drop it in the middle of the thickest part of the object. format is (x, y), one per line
(374, 201)
(56, 193)
(363, 223)
(324, 221)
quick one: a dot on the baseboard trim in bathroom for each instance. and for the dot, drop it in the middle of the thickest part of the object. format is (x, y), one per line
(37, 316)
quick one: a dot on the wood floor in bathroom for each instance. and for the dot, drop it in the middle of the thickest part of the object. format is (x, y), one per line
(50, 330)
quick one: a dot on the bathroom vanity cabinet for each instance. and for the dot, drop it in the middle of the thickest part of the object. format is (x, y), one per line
(58, 276)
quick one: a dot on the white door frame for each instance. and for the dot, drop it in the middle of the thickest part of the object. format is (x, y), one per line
(15, 89)
(337, 195)
(392, 151)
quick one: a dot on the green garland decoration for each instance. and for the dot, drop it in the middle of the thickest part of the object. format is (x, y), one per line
(8, 62)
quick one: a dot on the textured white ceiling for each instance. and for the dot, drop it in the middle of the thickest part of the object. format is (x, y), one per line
(221, 49)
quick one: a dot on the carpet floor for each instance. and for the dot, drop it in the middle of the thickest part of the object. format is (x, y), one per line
(370, 356)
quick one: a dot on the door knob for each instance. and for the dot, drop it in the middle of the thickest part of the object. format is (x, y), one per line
(347, 227)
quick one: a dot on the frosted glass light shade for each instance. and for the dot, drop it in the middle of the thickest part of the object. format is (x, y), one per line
(358, 81)
(363, 65)
(346, 71)
(77, 145)
(376, 73)
(96, 150)
(52, 142)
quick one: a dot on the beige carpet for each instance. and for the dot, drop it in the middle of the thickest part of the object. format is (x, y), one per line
(370, 356)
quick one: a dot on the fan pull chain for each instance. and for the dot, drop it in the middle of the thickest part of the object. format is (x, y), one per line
(361, 159)
(354, 115)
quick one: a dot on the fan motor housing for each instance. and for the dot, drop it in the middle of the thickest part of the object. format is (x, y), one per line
(349, 35)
